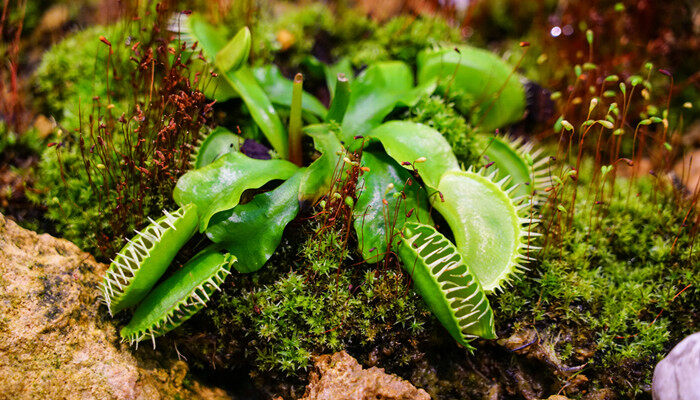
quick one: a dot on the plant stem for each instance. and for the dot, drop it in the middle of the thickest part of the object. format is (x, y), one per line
(295, 155)
(340, 101)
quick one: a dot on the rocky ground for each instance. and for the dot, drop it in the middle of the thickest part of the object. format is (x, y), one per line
(55, 341)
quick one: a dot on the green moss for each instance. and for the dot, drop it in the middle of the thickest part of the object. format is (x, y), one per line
(74, 71)
(401, 38)
(283, 315)
(70, 83)
(440, 114)
(311, 26)
(348, 34)
(612, 276)
(28, 142)
(96, 182)
(71, 204)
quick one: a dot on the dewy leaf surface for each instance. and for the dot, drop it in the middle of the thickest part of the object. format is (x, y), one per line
(218, 186)
(375, 93)
(318, 177)
(279, 90)
(481, 74)
(376, 222)
(485, 225)
(252, 231)
(407, 141)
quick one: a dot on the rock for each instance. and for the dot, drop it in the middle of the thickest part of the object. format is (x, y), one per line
(601, 394)
(677, 377)
(56, 341)
(341, 377)
(529, 343)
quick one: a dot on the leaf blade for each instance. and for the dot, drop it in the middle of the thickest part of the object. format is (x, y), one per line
(219, 185)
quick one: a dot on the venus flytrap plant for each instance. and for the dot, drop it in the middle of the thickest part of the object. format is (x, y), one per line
(517, 159)
(479, 210)
(404, 171)
(211, 146)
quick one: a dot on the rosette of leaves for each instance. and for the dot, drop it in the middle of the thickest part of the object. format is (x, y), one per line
(407, 172)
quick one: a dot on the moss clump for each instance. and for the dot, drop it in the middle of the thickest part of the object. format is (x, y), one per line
(309, 30)
(440, 114)
(315, 30)
(74, 72)
(401, 38)
(129, 117)
(611, 278)
(71, 83)
(282, 315)
(28, 142)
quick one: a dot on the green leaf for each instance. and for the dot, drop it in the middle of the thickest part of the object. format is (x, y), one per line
(375, 93)
(279, 90)
(375, 221)
(218, 186)
(339, 103)
(244, 83)
(408, 142)
(235, 53)
(318, 177)
(488, 79)
(241, 81)
(252, 231)
(209, 38)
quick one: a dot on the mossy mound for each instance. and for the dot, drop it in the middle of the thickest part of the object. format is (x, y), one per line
(616, 286)
(311, 298)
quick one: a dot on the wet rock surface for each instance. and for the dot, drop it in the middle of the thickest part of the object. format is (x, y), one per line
(341, 377)
(55, 341)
